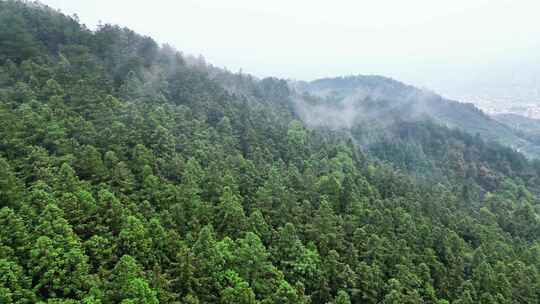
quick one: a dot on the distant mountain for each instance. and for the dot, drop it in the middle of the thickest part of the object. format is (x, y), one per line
(384, 101)
(526, 127)
(519, 122)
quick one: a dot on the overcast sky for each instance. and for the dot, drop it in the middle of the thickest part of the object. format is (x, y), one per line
(458, 48)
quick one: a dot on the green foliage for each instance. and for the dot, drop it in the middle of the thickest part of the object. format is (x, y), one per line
(57, 262)
(239, 291)
(132, 174)
(128, 284)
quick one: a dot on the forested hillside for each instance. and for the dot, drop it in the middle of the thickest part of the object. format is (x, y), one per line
(130, 173)
(527, 127)
(356, 94)
(419, 132)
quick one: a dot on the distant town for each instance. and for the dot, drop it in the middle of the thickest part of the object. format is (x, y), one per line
(528, 110)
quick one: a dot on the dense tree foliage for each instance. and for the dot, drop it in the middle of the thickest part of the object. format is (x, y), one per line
(130, 173)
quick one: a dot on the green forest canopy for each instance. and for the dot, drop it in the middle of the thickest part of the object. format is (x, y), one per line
(130, 173)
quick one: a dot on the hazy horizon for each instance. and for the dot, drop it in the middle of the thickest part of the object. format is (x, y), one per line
(466, 50)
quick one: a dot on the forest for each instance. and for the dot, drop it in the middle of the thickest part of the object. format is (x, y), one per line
(132, 173)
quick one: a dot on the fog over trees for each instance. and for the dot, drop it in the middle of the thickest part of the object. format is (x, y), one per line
(132, 173)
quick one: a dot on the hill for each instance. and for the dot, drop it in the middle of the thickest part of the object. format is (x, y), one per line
(131, 173)
(527, 127)
(356, 94)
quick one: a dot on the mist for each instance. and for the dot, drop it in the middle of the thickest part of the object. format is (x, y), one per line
(449, 47)
(381, 104)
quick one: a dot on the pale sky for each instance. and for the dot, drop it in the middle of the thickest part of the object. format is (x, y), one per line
(459, 48)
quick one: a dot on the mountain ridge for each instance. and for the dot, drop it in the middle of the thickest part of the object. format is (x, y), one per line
(454, 114)
(130, 173)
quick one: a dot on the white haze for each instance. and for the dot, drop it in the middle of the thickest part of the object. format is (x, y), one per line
(345, 113)
(321, 115)
(460, 48)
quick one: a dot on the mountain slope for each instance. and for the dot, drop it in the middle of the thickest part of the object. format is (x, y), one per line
(527, 127)
(402, 102)
(130, 173)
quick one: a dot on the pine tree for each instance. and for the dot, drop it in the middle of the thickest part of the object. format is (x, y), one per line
(128, 284)
(57, 262)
